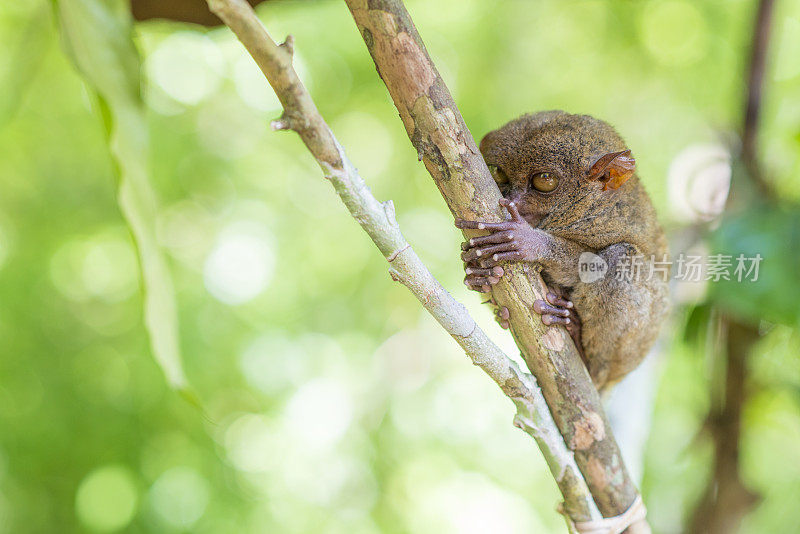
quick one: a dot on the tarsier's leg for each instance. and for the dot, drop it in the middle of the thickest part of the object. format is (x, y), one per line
(623, 315)
(554, 310)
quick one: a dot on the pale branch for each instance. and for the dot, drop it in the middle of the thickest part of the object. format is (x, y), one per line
(448, 150)
(377, 219)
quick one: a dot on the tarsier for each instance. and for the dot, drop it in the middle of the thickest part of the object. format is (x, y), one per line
(570, 187)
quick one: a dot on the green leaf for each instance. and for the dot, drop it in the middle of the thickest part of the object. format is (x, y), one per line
(774, 233)
(97, 37)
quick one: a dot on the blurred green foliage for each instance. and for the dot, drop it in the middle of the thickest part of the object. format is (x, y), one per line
(97, 36)
(334, 403)
(774, 234)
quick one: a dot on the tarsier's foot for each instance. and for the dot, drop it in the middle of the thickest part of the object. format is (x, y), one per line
(501, 315)
(555, 310)
(558, 310)
(481, 278)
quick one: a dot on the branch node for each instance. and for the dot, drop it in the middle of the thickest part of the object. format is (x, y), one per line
(288, 45)
(524, 422)
(388, 207)
(290, 120)
(280, 124)
(329, 172)
(394, 275)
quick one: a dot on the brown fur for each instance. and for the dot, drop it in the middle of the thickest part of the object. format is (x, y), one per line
(620, 318)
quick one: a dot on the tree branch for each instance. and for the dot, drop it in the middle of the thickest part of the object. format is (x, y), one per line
(449, 152)
(377, 219)
(726, 500)
(192, 11)
(755, 85)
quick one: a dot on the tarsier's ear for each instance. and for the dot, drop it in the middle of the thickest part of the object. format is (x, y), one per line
(613, 169)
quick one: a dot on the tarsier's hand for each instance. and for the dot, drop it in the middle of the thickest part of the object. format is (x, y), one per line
(478, 251)
(513, 240)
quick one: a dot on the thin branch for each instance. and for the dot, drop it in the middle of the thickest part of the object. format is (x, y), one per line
(755, 85)
(378, 220)
(448, 150)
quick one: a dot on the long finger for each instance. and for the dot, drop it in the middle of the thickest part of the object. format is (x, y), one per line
(543, 308)
(495, 271)
(501, 315)
(491, 239)
(554, 319)
(477, 283)
(512, 209)
(475, 253)
(477, 271)
(480, 225)
(479, 288)
(480, 242)
(555, 300)
(479, 263)
(472, 280)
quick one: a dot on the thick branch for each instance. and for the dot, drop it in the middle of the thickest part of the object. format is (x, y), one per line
(447, 148)
(726, 500)
(193, 11)
(378, 220)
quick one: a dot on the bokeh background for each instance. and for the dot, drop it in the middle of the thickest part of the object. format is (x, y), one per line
(329, 401)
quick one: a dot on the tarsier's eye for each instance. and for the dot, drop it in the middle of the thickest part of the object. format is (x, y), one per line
(544, 182)
(498, 174)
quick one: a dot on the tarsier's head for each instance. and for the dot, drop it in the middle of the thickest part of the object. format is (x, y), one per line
(550, 161)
